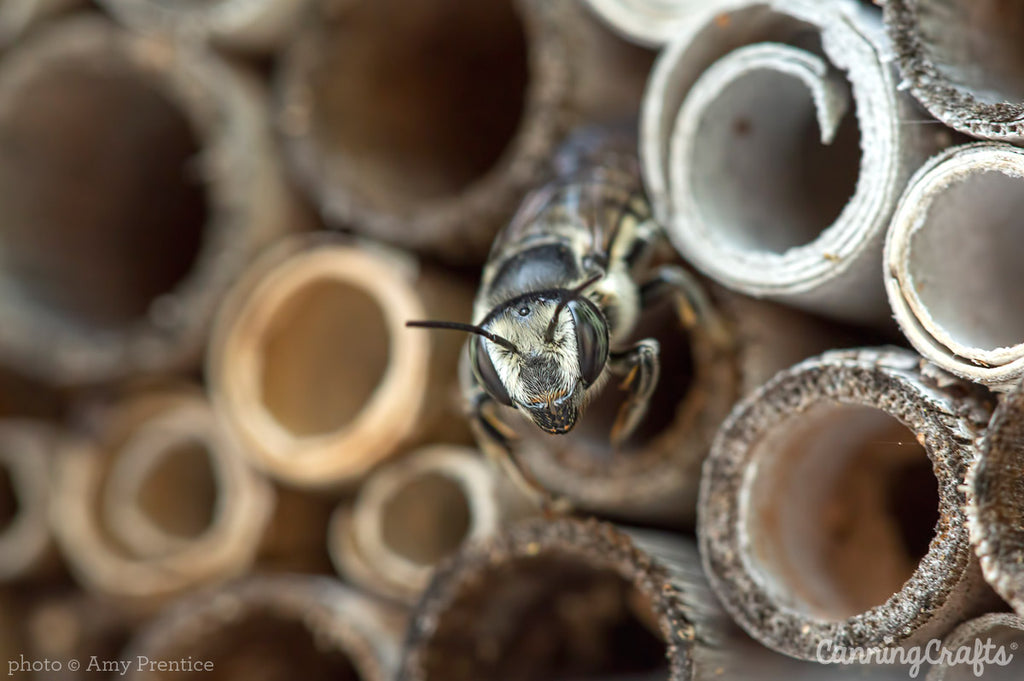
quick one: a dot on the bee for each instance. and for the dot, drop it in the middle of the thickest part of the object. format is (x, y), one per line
(561, 292)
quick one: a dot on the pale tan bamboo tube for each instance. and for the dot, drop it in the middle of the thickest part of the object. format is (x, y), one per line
(954, 285)
(775, 145)
(414, 513)
(963, 59)
(995, 641)
(125, 220)
(26, 452)
(831, 507)
(312, 367)
(647, 22)
(277, 629)
(423, 123)
(559, 599)
(158, 500)
(18, 16)
(995, 502)
(706, 366)
(249, 25)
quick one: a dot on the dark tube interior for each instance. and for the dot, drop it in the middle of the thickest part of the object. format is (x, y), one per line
(546, 618)
(9, 505)
(427, 518)
(104, 207)
(180, 493)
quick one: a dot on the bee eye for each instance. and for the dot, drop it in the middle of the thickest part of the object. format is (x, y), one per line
(486, 374)
(523, 311)
(591, 339)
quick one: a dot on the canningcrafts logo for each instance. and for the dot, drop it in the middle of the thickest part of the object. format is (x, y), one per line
(979, 656)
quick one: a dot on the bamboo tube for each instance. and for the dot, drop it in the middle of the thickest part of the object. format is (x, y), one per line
(962, 59)
(647, 22)
(414, 513)
(18, 16)
(425, 147)
(249, 25)
(705, 367)
(26, 449)
(956, 291)
(774, 147)
(118, 275)
(276, 628)
(565, 598)
(995, 503)
(831, 507)
(160, 500)
(1001, 630)
(312, 366)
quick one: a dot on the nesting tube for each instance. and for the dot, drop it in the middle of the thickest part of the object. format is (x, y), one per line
(964, 60)
(414, 513)
(248, 25)
(581, 599)
(707, 364)
(831, 507)
(26, 453)
(955, 287)
(995, 506)
(424, 123)
(125, 222)
(275, 628)
(647, 22)
(18, 16)
(994, 641)
(158, 500)
(312, 367)
(775, 145)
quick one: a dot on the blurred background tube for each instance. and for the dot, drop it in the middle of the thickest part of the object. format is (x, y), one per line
(422, 123)
(775, 144)
(276, 629)
(952, 269)
(26, 459)
(415, 512)
(964, 60)
(137, 178)
(832, 504)
(313, 369)
(646, 22)
(17, 16)
(158, 499)
(998, 629)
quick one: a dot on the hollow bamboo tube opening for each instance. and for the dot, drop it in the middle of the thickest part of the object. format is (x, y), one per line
(433, 143)
(312, 366)
(995, 508)
(414, 513)
(546, 601)
(121, 273)
(964, 60)
(998, 637)
(818, 516)
(159, 500)
(277, 629)
(956, 292)
(26, 450)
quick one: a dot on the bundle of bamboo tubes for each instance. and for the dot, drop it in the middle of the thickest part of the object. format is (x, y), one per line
(779, 240)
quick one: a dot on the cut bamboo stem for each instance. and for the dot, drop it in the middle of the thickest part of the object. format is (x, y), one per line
(26, 451)
(424, 147)
(775, 145)
(954, 285)
(995, 502)
(312, 367)
(561, 599)
(964, 60)
(414, 513)
(158, 501)
(705, 368)
(248, 25)
(831, 507)
(104, 279)
(277, 629)
(998, 637)
(647, 22)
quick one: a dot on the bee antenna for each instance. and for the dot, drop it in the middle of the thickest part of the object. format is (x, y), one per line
(573, 294)
(468, 328)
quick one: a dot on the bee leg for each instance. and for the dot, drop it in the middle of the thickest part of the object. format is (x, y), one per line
(639, 366)
(496, 439)
(694, 306)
